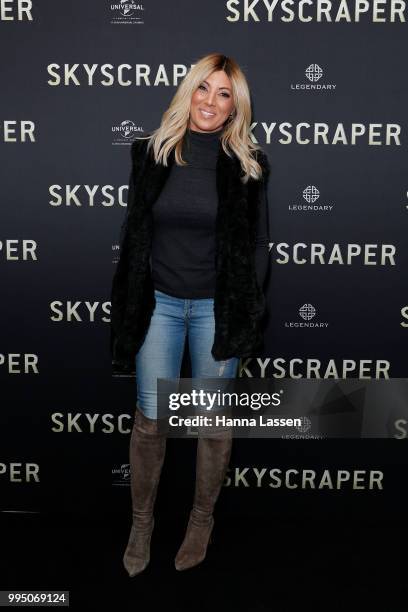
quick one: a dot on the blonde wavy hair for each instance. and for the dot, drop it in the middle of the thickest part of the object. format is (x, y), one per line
(235, 134)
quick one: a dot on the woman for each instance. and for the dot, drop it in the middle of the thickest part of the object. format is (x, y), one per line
(193, 261)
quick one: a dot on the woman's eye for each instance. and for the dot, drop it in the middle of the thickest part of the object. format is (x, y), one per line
(224, 93)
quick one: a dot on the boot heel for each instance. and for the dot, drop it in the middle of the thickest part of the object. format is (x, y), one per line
(194, 547)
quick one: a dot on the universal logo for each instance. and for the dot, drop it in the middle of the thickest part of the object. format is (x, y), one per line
(307, 312)
(311, 194)
(121, 476)
(313, 74)
(126, 13)
(125, 132)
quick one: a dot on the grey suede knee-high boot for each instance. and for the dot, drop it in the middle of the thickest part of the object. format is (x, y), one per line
(213, 455)
(146, 454)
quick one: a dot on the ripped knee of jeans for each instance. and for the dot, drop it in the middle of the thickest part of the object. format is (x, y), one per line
(222, 368)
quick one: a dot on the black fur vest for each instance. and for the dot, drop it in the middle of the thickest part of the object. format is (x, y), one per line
(239, 303)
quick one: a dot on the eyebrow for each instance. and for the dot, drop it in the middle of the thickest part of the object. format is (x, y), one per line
(218, 88)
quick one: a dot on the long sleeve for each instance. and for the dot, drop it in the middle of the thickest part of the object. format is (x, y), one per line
(262, 239)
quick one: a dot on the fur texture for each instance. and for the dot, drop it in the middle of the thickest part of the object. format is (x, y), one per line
(239, 303)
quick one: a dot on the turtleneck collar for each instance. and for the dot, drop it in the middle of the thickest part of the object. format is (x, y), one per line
(200, 149)
(204, 136)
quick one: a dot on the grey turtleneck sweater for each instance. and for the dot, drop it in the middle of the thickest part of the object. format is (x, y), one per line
(184, 214)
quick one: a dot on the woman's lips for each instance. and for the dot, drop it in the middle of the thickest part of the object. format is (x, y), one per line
(206, 114)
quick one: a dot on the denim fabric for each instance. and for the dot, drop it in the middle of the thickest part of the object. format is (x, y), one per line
(161, 353)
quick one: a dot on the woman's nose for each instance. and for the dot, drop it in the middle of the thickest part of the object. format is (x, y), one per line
(211, 99)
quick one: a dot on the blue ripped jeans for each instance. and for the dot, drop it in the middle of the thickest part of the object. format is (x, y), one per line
(161, 353)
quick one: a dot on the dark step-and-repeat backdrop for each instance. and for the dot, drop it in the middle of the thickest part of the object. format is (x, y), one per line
(81, 80)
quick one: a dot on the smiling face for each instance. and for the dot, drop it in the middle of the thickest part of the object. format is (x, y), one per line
(211, 103)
